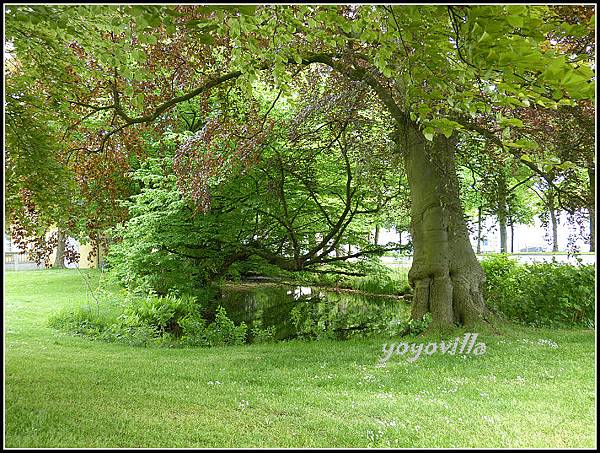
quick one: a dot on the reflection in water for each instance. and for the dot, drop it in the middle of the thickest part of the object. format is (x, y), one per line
(305, 311)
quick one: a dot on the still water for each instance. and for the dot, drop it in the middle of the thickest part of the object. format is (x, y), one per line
(308, 311)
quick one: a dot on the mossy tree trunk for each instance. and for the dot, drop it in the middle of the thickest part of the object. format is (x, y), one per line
(445, 274)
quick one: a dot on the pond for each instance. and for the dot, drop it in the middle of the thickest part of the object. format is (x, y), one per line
(308, 311)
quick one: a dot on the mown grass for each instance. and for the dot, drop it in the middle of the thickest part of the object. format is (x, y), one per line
(68, 391)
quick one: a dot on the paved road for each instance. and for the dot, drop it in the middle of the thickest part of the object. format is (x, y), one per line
(522, 258)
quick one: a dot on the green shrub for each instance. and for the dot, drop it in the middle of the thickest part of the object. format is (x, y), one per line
(496, 268)
(541, 294)
(223, 331)
(162, 313)
(266, 335)
(154, 320)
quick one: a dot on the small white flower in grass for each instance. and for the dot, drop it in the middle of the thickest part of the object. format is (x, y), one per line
(243, 405)
(384, 395)
(550, 343)
(369, 378)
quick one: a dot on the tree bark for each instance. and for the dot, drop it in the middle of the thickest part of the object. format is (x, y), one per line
(592, 213)
(59, 261)
(445, 274)
(554, 221)
(512, 237)
(376, 238)
(502, 213)
(479, 228)
(592, 208)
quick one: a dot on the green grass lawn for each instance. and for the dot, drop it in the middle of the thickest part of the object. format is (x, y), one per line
(67, 391)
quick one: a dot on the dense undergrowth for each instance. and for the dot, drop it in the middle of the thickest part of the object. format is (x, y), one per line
(539, 294)
(548, 294)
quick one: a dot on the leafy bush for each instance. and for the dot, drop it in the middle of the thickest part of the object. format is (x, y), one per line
(496, 268)
(155, 320)
(260, 335)
(541, 294)
(223, 330)
(161, 313)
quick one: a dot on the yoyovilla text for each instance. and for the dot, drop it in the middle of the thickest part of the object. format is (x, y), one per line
(414, 350)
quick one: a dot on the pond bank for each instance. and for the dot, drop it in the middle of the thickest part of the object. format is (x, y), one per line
(250, 284)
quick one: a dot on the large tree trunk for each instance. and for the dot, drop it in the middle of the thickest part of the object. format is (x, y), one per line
(445, 274)
(59, 261)
(502, 212)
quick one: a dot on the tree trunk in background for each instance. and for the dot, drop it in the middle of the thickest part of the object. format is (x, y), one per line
(502, 212)
(311, 241)
(479, 228)
(592, 208)
(59, 262)
(512, 237)
(552, 211)
(376, 238)
(445, 274)
(592, 213)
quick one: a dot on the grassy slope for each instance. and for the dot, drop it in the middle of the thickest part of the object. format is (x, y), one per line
(72, 392)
